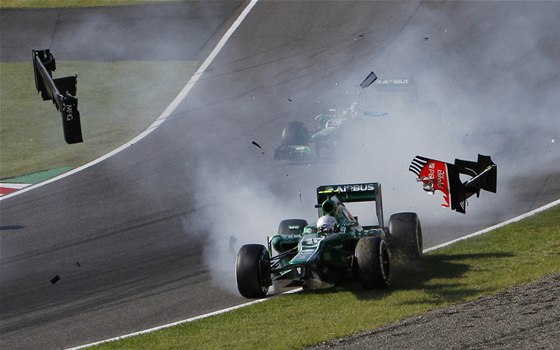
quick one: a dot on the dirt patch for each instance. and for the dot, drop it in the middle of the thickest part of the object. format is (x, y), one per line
(525, 317)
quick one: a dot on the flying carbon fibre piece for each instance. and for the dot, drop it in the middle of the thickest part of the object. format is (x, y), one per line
(440, 176)
(61, 91)
(368, 80)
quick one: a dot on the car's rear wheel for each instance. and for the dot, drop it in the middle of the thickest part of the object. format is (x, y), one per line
(406, 235)
(374, 269)
(295, 134)
(252, 270)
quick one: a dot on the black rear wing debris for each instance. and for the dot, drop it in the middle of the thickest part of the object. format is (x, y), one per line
(61, 91)
(445, 177)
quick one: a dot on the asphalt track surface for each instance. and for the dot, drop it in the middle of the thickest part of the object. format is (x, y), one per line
(131, 238)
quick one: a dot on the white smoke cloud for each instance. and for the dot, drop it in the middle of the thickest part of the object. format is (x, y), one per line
(236, 208)
(479, 87)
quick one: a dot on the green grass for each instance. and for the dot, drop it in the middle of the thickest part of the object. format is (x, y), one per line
(22, 4)
(116, 100)
(509, 256)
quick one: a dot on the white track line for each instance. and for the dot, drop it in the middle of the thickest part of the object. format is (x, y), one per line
(164, 115)
(510, 221)
(184, 321)
(168, 325)
(521, 217)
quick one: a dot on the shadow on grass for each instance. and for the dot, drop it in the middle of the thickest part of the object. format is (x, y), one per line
(437, 275)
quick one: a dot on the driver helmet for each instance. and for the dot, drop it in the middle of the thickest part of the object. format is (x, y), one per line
(326, 223)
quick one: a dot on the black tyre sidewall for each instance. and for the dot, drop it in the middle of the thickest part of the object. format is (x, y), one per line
(406, 235)
(250, 268)
(373, 263)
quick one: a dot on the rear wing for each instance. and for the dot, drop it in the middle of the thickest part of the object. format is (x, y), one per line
(61, 91)
(347, 193)
(445, 177)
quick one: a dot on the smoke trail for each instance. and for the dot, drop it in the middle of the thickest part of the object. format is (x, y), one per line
(236, 209)
(478, 86)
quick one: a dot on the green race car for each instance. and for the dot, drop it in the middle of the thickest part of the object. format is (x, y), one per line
(338, 247)
(329, 132)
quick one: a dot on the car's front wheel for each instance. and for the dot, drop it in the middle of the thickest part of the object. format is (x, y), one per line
(252, 270)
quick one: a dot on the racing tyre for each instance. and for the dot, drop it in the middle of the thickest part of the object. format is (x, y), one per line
(291, 226)
(295, 134)
(406, 235)
(252, 271)
(374, 269)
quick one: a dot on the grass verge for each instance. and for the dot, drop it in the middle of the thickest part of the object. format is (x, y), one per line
(484, 265)
(113, 99)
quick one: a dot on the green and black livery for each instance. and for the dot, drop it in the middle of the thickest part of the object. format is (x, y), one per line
(304, 254)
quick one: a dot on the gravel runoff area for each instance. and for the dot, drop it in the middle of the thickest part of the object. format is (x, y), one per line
(525, 317)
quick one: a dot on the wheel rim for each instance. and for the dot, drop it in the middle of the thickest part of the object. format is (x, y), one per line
(419, 242)
(384, 262)
(264, 272)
